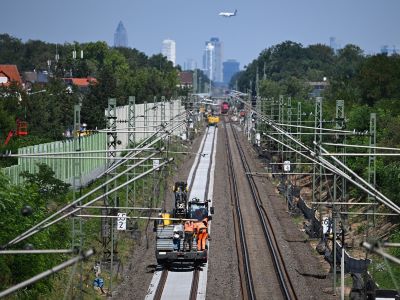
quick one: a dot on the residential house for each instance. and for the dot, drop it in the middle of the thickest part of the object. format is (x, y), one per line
(9, 74)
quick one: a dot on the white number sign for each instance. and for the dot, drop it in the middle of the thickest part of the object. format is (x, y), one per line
(121, 221)
(286, 166)
(156, 163)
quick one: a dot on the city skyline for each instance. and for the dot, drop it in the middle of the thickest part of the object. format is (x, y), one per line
(368, 24)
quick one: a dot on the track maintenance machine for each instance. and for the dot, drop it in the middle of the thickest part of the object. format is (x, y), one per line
(171, 245)
(212, 120)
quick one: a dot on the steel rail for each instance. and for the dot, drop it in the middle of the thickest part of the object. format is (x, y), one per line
(286, 284)
(192, 286)
(197, 162)
(246, 257)
(161, 284)
(195, 284)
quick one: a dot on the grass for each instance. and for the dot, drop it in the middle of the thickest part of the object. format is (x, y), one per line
(298, 219)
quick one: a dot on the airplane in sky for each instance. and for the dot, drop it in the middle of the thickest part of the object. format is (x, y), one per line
(228, 14)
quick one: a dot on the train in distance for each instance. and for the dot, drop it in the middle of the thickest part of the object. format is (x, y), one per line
(224, 108)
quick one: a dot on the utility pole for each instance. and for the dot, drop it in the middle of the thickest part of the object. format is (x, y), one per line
(109, 245)
(318, 141)
(130, 189)
(372, 158)
(339, 125)
(298, 147)
(77, 226)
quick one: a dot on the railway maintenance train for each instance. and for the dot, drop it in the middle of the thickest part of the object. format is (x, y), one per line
(212, 120)
(170, 244)
(224, 108)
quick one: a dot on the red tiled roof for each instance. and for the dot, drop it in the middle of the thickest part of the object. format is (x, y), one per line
(81, 82)
(11, 72)
(186, 77)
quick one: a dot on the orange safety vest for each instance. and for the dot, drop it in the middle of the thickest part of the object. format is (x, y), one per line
(197, 225)
(201, 227)
(189, 227)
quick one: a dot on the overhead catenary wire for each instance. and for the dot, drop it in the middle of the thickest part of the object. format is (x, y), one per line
(361, 146)
(331, 154)
(42, 223)
(87, 157)
(37, 251)
(166, 132)
(137, 217)
(386, 200)
(376, 249)
(77, 201)
(32, 232)
(363, 185)
(317, 128)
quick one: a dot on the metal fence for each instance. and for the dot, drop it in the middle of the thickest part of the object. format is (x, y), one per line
(63, 167)
(147, 118)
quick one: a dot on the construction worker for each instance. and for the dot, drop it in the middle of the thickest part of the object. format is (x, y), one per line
(201, 235)
(189, 229)
(178, 234)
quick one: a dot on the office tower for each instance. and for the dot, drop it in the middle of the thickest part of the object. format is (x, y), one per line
(230, 68)
(169, 50)
(189, 65)
(208, 61)
(212, 59)
(334, 44)
(120, 36)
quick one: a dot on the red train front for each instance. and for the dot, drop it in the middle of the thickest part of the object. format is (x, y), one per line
(224, 108)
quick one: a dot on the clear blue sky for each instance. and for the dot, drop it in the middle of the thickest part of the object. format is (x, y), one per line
(259, 23)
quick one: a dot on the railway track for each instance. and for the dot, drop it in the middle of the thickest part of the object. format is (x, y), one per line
(182, 282)
(283, 277)
(158, 295)
(247, 286)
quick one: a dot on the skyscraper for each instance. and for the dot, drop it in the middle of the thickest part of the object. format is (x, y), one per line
(120, 36)
(231, 67)
(212, 59)
(189, 64)
(334, 44)
(169, 50)
(208, 59)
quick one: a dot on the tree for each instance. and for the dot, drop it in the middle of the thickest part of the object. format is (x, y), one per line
(17, 268)
(270, 89)
(49, 187)
(379, 78)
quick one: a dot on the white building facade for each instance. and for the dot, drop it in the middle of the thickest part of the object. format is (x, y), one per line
(169, 50)
(212, 59)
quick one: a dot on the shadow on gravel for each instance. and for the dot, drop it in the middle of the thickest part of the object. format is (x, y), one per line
(184, 267)
(173, 268)
(152, 268)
